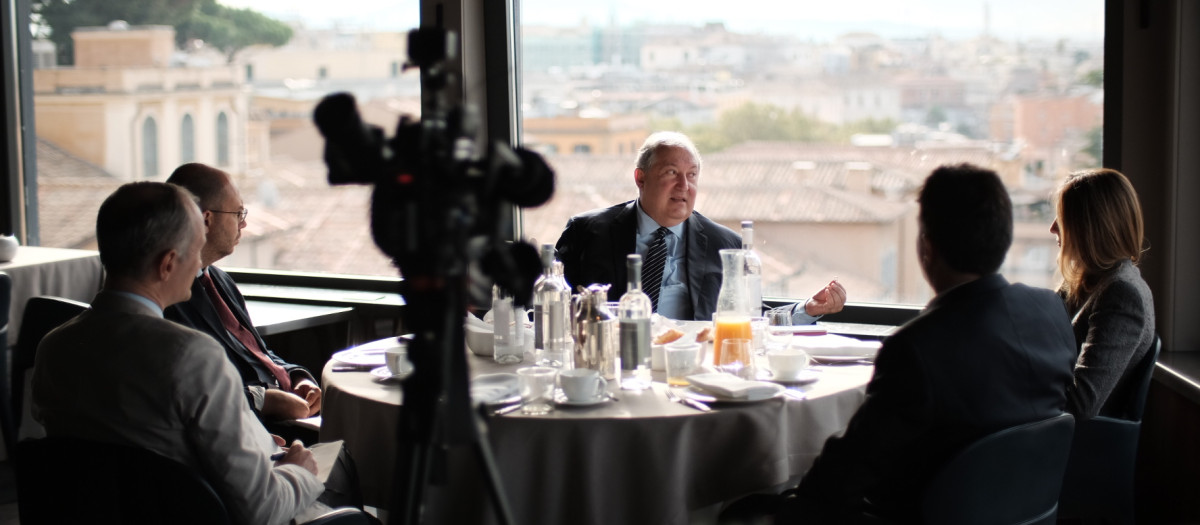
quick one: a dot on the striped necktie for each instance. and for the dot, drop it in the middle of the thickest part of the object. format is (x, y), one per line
(652, 270)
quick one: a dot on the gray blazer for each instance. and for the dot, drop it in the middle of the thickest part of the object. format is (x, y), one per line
(120, 373)
(1114, 329)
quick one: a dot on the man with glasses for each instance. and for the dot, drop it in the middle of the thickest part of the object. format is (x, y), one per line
(278, 391)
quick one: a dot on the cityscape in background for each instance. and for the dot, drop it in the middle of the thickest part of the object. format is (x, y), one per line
(822, 143)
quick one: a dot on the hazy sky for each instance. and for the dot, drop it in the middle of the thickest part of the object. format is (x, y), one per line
(818, 19)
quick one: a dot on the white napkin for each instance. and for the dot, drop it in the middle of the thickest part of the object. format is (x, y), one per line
(836, 345)
(491, 388)
(478, 323)
(733, 387)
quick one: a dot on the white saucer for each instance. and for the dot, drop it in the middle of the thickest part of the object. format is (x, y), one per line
(806, 376)
(561, 399)
(386, 375)
(818, 359)
(712, 397)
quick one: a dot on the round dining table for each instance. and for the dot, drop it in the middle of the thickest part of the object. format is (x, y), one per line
(638, 459)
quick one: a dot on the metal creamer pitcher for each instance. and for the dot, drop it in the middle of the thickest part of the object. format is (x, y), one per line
(597, 334)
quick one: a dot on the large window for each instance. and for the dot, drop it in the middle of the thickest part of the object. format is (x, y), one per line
(818, 123)
(124, 95)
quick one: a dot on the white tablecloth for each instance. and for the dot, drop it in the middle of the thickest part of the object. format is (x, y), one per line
(641, 459)
(73, 274)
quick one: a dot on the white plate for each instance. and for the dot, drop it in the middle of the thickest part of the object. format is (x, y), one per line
(805, 377)
(710, 397)
(386, 375)
(841, 358)
(561, 399)
(364, 357)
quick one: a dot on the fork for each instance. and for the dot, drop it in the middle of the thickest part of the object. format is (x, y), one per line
(672, 396)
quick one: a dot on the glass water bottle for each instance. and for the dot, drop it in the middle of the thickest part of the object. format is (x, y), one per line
(634, 315)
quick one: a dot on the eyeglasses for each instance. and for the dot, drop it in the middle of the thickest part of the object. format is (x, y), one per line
(241, 214)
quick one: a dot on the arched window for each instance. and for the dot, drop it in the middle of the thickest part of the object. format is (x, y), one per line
(222, 139)
(149, 148)
(187, 140)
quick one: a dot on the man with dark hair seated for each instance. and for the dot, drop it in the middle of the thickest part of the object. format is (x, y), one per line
(983, 355)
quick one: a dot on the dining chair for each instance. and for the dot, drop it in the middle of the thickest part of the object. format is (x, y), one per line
(7, 426)
(1099, 483)
(1009, 477)
(69, 480)
(42, 314)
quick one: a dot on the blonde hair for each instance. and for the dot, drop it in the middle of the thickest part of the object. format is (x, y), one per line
(1099, 226)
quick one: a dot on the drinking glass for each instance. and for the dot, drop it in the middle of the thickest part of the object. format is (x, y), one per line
(736, 357)
(537, 389)
(681, 361)
(781, 316)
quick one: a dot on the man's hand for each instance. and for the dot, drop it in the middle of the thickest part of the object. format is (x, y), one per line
(829, 300)
(278, 404)
(298, 455)
(311, 394)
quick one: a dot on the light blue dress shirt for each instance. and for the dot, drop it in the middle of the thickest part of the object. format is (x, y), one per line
(141, 299)
(674, 301)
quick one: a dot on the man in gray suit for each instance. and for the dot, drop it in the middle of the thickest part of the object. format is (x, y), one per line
(594, 244)
(120, 373)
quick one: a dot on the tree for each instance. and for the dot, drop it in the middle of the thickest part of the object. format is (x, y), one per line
(231, 30)
(227, 29)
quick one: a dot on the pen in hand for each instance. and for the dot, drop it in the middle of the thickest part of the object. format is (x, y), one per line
(278, 455)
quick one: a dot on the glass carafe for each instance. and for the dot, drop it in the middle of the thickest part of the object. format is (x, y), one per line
(730, 320)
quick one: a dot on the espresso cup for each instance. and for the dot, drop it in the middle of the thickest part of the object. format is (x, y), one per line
(582, 384)
(397, 360)
(788, 364)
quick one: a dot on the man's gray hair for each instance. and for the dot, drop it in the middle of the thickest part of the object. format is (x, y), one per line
(139, 223)
(665, 139)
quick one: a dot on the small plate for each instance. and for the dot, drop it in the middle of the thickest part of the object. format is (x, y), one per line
(561, 399)
(711, 397)
(819, 359)
(805, 377)
(386, 375)
(364, 357)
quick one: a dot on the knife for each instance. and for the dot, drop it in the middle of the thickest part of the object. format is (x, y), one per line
(694, 404)
(504, 410)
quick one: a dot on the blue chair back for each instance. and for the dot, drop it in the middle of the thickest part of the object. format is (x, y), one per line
(1005, 478)
(1099, 482)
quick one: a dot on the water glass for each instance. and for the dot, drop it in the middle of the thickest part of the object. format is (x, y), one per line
(758, 334)
(682, 359)
(537, 389)
(781, 316)
(736, 358)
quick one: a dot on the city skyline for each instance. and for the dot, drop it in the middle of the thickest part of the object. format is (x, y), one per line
(1010, 20)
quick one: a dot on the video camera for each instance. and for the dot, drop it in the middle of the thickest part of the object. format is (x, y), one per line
(439, 202)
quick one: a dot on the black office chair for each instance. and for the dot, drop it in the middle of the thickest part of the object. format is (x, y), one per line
(6, 415)
(1100, 474)
(67, 480)
(42, 314)
(1008, 477)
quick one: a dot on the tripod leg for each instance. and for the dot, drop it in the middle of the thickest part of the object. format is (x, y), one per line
(488, 462)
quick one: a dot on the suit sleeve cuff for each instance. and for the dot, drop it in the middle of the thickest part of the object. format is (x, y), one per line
(800, 316)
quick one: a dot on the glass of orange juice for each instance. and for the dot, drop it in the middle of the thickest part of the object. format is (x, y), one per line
(729, 327)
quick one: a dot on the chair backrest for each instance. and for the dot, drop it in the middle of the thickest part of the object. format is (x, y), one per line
(5, 300)
(1011, 476)
(1140, 385)
(42, 314)
(67, 480)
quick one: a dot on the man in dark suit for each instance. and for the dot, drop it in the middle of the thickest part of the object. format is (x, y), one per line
(982, 356)
(278, 391)
(593, 246)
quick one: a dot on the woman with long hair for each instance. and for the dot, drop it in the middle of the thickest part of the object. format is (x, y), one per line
(1098, 224)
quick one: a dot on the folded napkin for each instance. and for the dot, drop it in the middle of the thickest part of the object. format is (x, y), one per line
(733, 387)
(491, 388)
(478, 323)
(836, 345)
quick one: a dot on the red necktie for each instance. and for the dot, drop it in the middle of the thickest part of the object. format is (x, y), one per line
(242, 334)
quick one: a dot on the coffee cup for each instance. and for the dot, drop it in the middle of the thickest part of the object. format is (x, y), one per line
(787, 365)
(582, 384)
(397, 360)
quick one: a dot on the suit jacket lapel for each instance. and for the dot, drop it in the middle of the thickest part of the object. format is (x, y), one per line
(624, 243)
(697, 263)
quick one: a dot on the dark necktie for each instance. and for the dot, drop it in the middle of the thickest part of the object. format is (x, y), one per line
(652, 270)
(247, 338)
